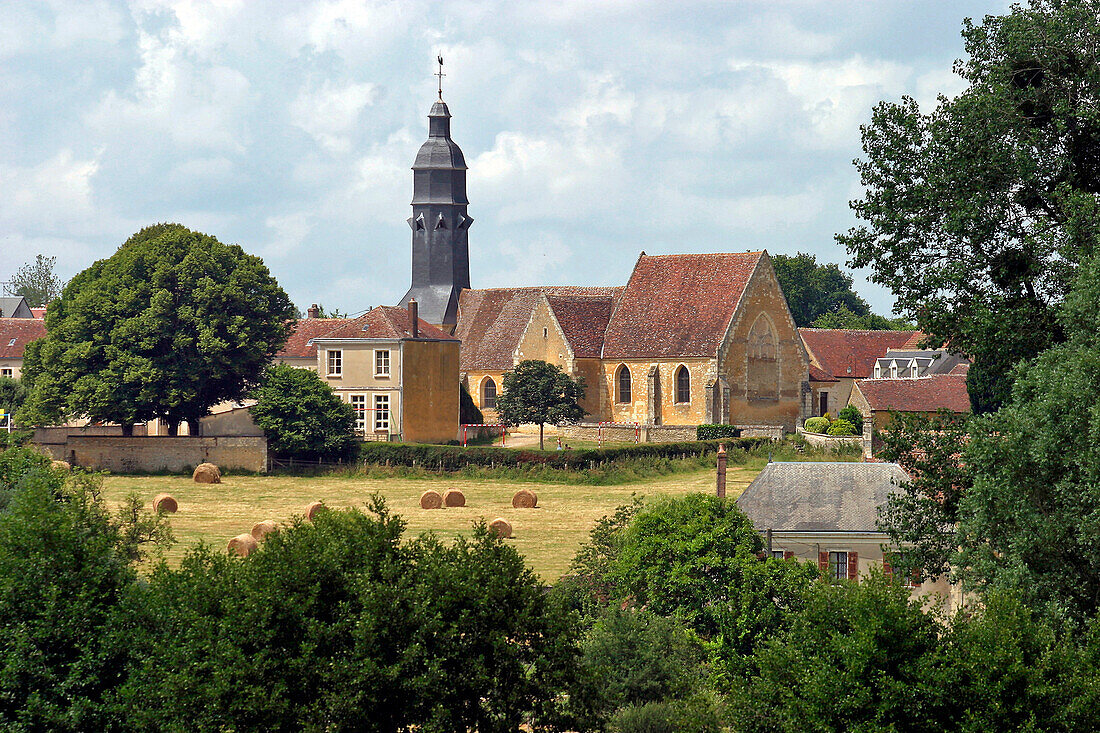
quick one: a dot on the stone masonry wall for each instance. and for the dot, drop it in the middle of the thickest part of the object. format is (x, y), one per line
(129, 455)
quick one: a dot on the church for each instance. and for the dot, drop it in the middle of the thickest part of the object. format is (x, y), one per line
(689, 339)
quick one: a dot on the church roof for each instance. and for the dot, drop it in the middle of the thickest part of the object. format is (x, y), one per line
(918, 394)
(583, 320)
(16, 333)
(298, 346)
(850, 353)
(384, 322)
(491, 321)
(678, 306)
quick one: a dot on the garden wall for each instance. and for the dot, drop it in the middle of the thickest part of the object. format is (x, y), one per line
(161, 453)
(830, 442)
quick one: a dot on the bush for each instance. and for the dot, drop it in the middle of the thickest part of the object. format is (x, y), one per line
(842, 427)
(714, 432)
(852, 414)
(817, 424)
(302, 417)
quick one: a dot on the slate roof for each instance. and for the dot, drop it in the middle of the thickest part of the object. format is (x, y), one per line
(820, 497)
(491, 322)
(23, 331)
(15, 307)
(298, 346)
(836, 350)
(678, 305)
(384, 322)
(921, 394)
(583, 320)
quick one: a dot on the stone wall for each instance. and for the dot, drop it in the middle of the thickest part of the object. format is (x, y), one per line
(831, 442)
(656, 433)
(177, 455)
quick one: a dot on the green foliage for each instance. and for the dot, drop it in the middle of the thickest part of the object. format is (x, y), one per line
(171, 324)
(302, 417)
(468, 411)
(844, 318)
(334, 313)
(817, 424)
(852, 414)
(840, 426)
(12, 395)
(537, 392)
(37, 282)
(696, 715)
(813, 290)
(717, 431)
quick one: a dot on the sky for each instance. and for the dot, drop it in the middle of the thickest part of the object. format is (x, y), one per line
(592, 130)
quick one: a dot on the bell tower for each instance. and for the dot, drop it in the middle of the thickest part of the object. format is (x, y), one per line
(439, 222)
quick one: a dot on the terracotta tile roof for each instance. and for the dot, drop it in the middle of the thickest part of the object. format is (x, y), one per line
(837, 350)
(38, 312)
(923, 394)
(22, 331)
(384, 322)
(914, 341)
(817, 375)
(491, 322)
(678, 305)
(583, 319)
(298, 346)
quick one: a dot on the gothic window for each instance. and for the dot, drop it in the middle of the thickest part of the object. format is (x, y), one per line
(683, 385)
(624, 384)
(489, 394)
(763, 361)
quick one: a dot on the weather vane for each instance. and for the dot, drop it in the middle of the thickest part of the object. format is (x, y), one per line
(440, 74)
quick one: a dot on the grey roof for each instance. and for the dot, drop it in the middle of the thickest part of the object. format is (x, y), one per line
(820, 497)
(15, 307)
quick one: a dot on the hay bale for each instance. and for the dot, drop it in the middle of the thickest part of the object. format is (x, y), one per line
(431, 500)
(164, 504)
(243, 544)
(262, 529)
(525, 499)
(207, 473)
(61, 466)
(312, 509)
(501, 527)
(454, 497)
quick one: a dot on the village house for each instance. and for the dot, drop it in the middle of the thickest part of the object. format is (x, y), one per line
(16, 307)
(878, 399)
(838, 357)
(15, 334)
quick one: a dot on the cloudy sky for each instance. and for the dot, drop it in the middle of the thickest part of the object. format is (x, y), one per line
(593, 130)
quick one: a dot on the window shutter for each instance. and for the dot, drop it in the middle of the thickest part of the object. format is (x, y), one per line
(823, 562)
(787, 554)
(853, 566)
(887, 569)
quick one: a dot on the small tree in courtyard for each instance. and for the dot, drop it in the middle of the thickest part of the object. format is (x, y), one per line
(301, 416)
(537, 392)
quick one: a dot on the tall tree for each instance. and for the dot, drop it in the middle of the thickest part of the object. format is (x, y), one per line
(171, 324)
(815, 290)
(37, 282)
(301, 416)
(978, 212)
(537, 392)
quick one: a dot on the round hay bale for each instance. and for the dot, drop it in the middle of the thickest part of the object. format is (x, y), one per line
(431, 500)
(243, 544)
(262, 529)
(525, 499)
(312, 509)
(501, 527)
(165, 504)
(61, 466)
(207, 473)
(454, 497)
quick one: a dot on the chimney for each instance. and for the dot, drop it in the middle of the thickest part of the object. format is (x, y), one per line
(313, 311)
(414, 318)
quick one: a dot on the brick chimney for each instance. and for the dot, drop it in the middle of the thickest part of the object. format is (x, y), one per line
(414, 318)
(313, 311)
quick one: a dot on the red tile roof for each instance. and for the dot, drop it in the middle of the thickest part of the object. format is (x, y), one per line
(817, 375)
(385, 322)
(583, 320)
(850, 353)
(491, 322)
(38, 312)
(923, 394)
(678, 305)
(298, 346)
(915, 341)
(22, 331)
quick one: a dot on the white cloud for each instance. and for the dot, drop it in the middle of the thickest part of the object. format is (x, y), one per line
(329, 112)
(288, 231)
(540, 259)
(49, 196)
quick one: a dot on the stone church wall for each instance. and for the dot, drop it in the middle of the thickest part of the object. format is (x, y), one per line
(649, 376)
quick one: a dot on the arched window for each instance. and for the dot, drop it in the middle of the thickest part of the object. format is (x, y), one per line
(489, 394)
(763, 361)
(624, 384)
(683, 385)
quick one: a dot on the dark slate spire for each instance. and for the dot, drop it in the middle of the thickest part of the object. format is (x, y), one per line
(440, 246)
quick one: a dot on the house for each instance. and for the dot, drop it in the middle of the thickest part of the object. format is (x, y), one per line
(838, 357)
(399, 372)
(911, 363)
(15, 307)
(15, 334)
(299, 351)
(827, 513)
(879, 399)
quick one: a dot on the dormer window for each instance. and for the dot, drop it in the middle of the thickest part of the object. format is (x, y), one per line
(894, 370)
(11, 343)
(878, 371)
(914, 374)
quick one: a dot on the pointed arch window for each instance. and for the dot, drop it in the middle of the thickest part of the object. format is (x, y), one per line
(624, 384)
(683, 385)
(489, 394)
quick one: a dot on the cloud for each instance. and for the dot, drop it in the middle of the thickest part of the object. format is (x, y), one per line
(51, 196)
(330, 111)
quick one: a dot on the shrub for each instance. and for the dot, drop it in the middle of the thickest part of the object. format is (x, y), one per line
(714, 432)
(301, 416)
(852, 414)
(842, 427)
(817, 424)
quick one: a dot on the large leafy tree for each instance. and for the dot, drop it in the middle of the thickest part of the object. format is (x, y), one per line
(301, 416)
(814, 290)
(537, 392)
(978, 212)
(171, 324)
(37, 282)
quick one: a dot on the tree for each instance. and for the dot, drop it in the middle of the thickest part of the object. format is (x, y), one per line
(12, 394)
(814, 290)
(171, 324)
(844, 318)
(37, 282)
(978, 213)
(537, 392)
(301, 416)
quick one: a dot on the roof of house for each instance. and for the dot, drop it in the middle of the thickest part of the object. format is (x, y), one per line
(820, 375)
(15, 307)
(850, 353)
(919, 394)
(385, 322)
(16, 333)
(820, 497)
(678, 305)
(583, 320)
(38, 312)
(491, 321)
(298, 346)
(915, 340)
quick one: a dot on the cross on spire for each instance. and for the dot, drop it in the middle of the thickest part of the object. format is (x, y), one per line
(440, 74)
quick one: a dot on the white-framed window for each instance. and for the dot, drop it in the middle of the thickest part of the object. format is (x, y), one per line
(914, 370)
(7, 372)
(334, 359)
(11, 343)
(359, 404)
(382, 362)
(778, 554)
(878, 371)
(838, 565)
(381, 413)
(894, 370)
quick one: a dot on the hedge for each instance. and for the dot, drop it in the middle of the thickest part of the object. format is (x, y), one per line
(714, 432)
(455, 457)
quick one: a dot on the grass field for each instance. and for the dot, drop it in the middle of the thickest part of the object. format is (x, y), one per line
(547, 536)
